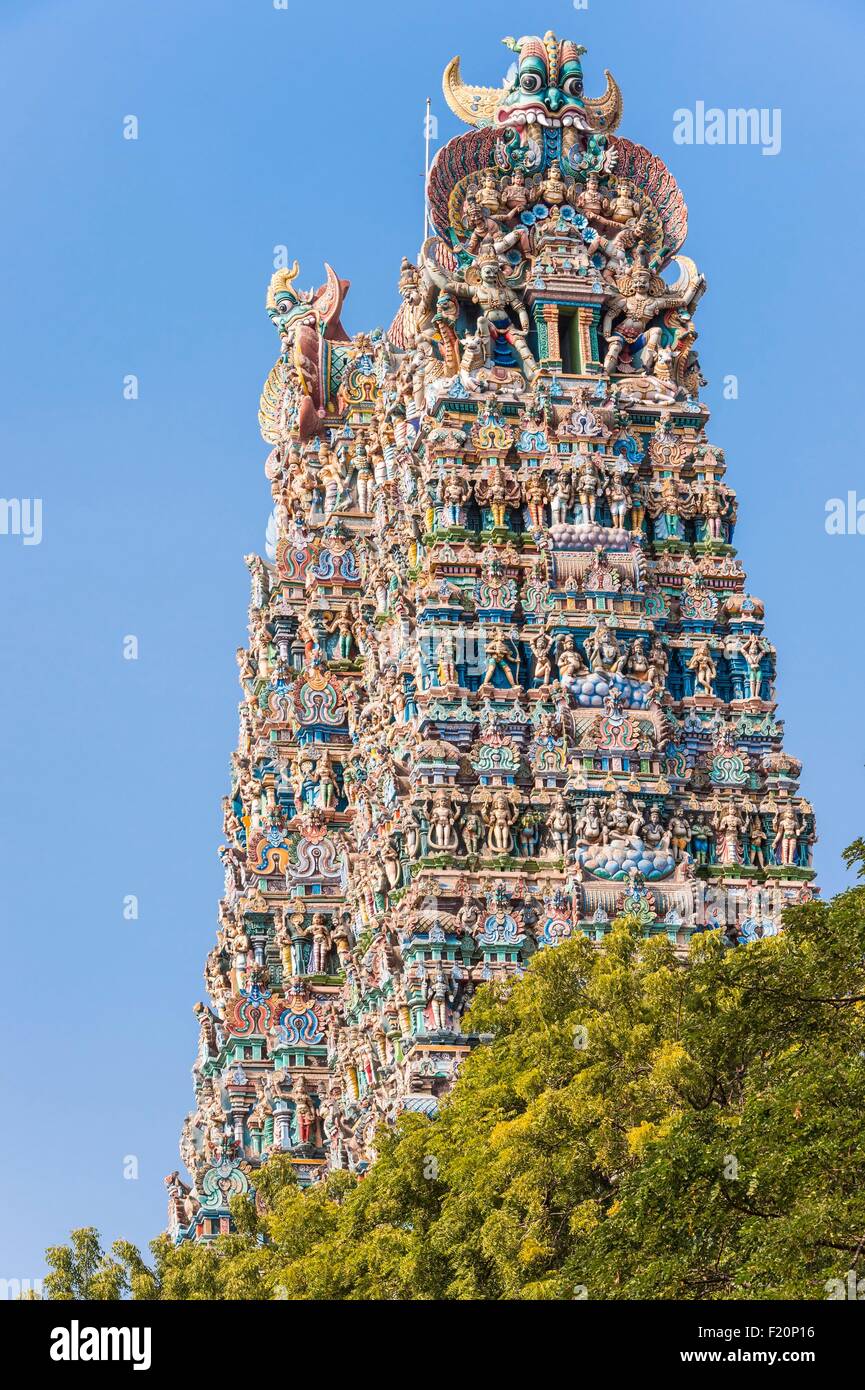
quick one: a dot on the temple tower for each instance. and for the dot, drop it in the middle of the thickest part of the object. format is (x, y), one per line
(504, 678)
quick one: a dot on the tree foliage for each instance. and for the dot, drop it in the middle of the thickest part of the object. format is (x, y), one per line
(637, 1127)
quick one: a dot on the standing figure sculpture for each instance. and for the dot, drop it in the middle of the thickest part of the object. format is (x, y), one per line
(542, 649)
(501, 655)
(787, 832)
(702, 663)
(627, 322)
(485, 285)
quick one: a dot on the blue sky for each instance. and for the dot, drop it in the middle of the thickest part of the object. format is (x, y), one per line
(151, 257)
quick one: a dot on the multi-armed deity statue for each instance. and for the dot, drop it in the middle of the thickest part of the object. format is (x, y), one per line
(504, 678)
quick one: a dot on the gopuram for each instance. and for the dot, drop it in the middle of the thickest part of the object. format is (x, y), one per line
(504, 680)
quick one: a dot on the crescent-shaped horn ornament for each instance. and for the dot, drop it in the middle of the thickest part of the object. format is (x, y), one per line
(474, 105)
(606, 111)
(328, 300)
(281, 280)
(690, 284)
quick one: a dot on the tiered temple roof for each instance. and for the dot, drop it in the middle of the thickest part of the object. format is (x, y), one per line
(504, 678)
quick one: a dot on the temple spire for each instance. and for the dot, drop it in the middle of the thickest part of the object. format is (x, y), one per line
(505, 678)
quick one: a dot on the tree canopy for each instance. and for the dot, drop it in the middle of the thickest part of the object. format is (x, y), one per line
(637, 1127)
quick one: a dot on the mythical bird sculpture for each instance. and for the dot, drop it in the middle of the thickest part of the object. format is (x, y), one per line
(306, 321)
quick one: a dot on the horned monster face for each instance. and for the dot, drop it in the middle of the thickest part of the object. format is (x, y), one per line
(546, 89)
(547, 86)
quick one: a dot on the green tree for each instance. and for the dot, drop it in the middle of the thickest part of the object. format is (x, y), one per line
(638, 1126)
(82, 1270)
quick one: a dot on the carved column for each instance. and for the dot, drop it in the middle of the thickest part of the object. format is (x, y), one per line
(549, 348)
(587, 329)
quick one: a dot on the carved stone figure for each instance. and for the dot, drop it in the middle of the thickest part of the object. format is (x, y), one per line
(560, 825)
(500, 655)
(702, 663)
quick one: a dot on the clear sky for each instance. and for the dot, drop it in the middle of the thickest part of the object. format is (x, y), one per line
(260, 126)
